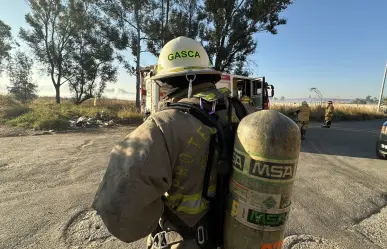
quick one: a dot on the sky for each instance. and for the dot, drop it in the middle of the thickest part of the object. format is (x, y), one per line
(337, 46)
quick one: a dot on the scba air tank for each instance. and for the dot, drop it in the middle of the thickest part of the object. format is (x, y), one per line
(265, 157)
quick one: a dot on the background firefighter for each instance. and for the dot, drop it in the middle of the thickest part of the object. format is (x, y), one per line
(303, 113)
(246, 100)
(328, 115)
(154, 180)
(248, 103)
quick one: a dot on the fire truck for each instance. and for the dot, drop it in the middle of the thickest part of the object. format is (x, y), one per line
(257, 88)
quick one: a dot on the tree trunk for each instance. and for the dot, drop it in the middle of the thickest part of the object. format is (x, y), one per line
(57, 93)
(162, 20)
(190, 11)
(80, 101)
(166, 29)
(138, 55)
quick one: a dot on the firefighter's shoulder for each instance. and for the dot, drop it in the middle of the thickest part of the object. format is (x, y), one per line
(175, 121)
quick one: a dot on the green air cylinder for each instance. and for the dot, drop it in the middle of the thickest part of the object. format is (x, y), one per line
(265, 158)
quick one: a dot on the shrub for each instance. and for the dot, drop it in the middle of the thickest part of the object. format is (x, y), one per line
(44, 113)
(10, 108)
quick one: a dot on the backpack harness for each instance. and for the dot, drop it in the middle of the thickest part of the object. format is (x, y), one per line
(208, 232)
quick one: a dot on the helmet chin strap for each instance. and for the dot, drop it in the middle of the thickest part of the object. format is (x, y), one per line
(213, 108)
(190, 80)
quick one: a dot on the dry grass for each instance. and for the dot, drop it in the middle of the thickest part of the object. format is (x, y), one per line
(342, 111)
(44, 113)
(10, 108)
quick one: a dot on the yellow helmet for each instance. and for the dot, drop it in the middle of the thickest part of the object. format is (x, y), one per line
(182, 56)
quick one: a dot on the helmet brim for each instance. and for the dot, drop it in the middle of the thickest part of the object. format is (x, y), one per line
(185, 72)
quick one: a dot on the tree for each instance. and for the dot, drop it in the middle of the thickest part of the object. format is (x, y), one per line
(20, 75)
(127, 30)
(359, 101)
(182, 18)
(225, 28)
(368, 100)
(282, 98)
(240, 69)
(231, 25)
(5, 43)
(49, 36)
(90, 64)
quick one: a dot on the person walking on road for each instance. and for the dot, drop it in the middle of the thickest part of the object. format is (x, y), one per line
(303, 113)
(328, 115)
(154, 181)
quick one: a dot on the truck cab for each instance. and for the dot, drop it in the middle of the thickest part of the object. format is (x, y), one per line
(257, 89)
(151, 92)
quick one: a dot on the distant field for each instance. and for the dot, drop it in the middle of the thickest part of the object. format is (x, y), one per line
(44, 113)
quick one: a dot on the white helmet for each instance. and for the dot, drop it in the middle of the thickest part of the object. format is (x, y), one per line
(182, 56)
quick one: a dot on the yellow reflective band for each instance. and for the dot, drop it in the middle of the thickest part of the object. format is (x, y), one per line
(193, 207)
(224, 90)
(211, 189)
(208, 97)
(190, 204)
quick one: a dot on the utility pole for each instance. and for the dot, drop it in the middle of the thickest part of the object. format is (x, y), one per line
(382, 89)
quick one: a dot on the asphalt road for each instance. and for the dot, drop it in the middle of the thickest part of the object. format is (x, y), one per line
(47, 184)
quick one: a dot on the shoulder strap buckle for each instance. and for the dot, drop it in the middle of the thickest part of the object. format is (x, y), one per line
(159, 240)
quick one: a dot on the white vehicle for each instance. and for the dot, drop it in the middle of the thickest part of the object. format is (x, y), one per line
(257, 89)
(151, 92)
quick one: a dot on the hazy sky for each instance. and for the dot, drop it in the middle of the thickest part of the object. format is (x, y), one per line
(338, 46)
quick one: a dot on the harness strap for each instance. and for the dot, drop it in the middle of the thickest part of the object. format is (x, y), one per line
(183, 229)
(163, 239)
(201, 232)
(212, 224)
(240, 110)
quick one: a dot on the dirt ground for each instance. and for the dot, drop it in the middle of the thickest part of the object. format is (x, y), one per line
(47, 184)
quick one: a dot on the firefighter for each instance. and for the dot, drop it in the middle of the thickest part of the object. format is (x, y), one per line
(328, 115)
(303, 113)
(246, 99)
(240, 94)
(248, 103)
(153, 184)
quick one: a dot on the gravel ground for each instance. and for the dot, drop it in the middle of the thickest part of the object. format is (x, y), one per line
(48, 184)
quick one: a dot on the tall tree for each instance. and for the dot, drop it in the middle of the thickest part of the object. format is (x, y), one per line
(231, 25)
(20, 76)
(127, 30)
(224, 27)
(183, 18)
(49, 36)
(90, 64)
(5, 43)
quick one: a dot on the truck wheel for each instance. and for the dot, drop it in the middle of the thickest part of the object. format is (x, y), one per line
(378, 154)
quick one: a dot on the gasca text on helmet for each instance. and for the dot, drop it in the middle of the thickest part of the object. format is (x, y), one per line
(183, 54)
